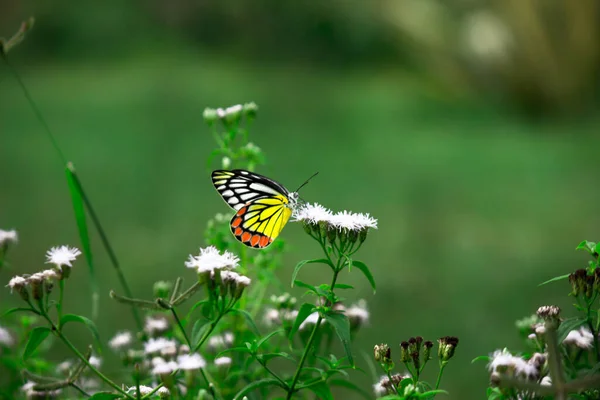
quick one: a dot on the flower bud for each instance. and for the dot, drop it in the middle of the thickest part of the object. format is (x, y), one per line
(427, 350)
(447, 346)
(250, 109)
(210, 115)
(162, 289)
(383, 353)
(404, 352)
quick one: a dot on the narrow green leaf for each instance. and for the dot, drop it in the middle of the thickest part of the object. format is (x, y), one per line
(481, 358)
(248, 318)
(304, 262)
(79, 210)
(305, 310)
(556, 278)
(342, 327)
(266, 338)
(306, 286)
(106, 396)
(270, 356)
(239, 349)
(567, 326)
(82, 320)
(37, 336)
(432, 393)
(198, 330)
(256, 385)
(367, 273)
(352, 386)
(18, 309)
(321, 390)
(343, 286)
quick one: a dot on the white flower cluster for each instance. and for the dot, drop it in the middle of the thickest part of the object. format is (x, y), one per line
(581, 338)
(8, 236)
(503, 363)
(210, 260)
(156, 325)
(343, 220)
(6, 339)
(58, 256)
(219, 342)
(386, 386)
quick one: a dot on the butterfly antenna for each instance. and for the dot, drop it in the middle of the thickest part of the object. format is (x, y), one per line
(308, 180)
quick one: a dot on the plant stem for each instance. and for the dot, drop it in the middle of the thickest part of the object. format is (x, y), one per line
(61, 289)
(181, 328)
(439, 378)
(313, 334)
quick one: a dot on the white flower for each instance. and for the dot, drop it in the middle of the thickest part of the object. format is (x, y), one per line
(164, 393)
(62, 255)
(65, 366)
(502, 359)
(310, 320)
(49, 274)
(210, 259)
(546, 381)
(16, 282)
(5, 338)
(379, 389)
(95, 362)
(189, 362)
(164, 368)
(312, 213)
(144, 390)
(156, 345)
(581, 338)
(8, 236)
(120, 340)
(276, 317)
(217, 342)
(154, 326)
(345, 220)
(223, 361)
(357, 313)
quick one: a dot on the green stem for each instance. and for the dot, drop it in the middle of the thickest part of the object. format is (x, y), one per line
(181, 328)
(264, 365)
(61, 289)
(313, 334)
(109, 250)
(389, 375)
(83, 359)
(439, 378)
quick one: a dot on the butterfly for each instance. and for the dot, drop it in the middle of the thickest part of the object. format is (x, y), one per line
(262, 206)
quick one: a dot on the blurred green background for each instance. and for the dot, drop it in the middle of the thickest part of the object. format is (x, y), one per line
(468, 128)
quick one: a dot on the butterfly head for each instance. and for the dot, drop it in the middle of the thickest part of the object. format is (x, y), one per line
(293, 199)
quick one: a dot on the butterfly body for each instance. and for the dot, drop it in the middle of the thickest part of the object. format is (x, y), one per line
(263, 206)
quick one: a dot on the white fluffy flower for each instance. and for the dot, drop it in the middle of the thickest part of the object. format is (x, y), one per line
(121, 340)
(581, 338)
(154, 326)
(5, 338)
(164, 368)
(16, 282)
(221, 341)
(222, 113)
(8, 236)
(223, 361)
(312, 213)
(95, 362)
(358, 313)
(502, 359)
(144, 390)
(310, 320)
(156, 345)
(210, 259)
(345, 220)
(49, 274)
(189, 362)
(62, 255)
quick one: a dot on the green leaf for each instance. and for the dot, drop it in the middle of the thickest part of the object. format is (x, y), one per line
(239, 349)
(304, 262)
(556, 278)
(105, 396)
(18, 309)
(79, 210)
(257, 385)
(306, 286)
(481, 358)
(37, 336)
(342, 327)
(267, 357)
(349, 385)
(248, 318)
(367, 273)
(321, 390)
(343, 286)
(82, 320)
(432, 393)
(305, 310)
(567, 326)
(587, 246)
(198, 331)
(266, 338)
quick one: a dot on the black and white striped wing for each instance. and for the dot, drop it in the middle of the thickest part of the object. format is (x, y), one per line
(239, 187)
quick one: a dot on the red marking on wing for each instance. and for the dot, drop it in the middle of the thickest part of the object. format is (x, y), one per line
(236, 222)
(264, 241)
(246, 236)
(242, 211)
(238, 231)
(254, 240)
